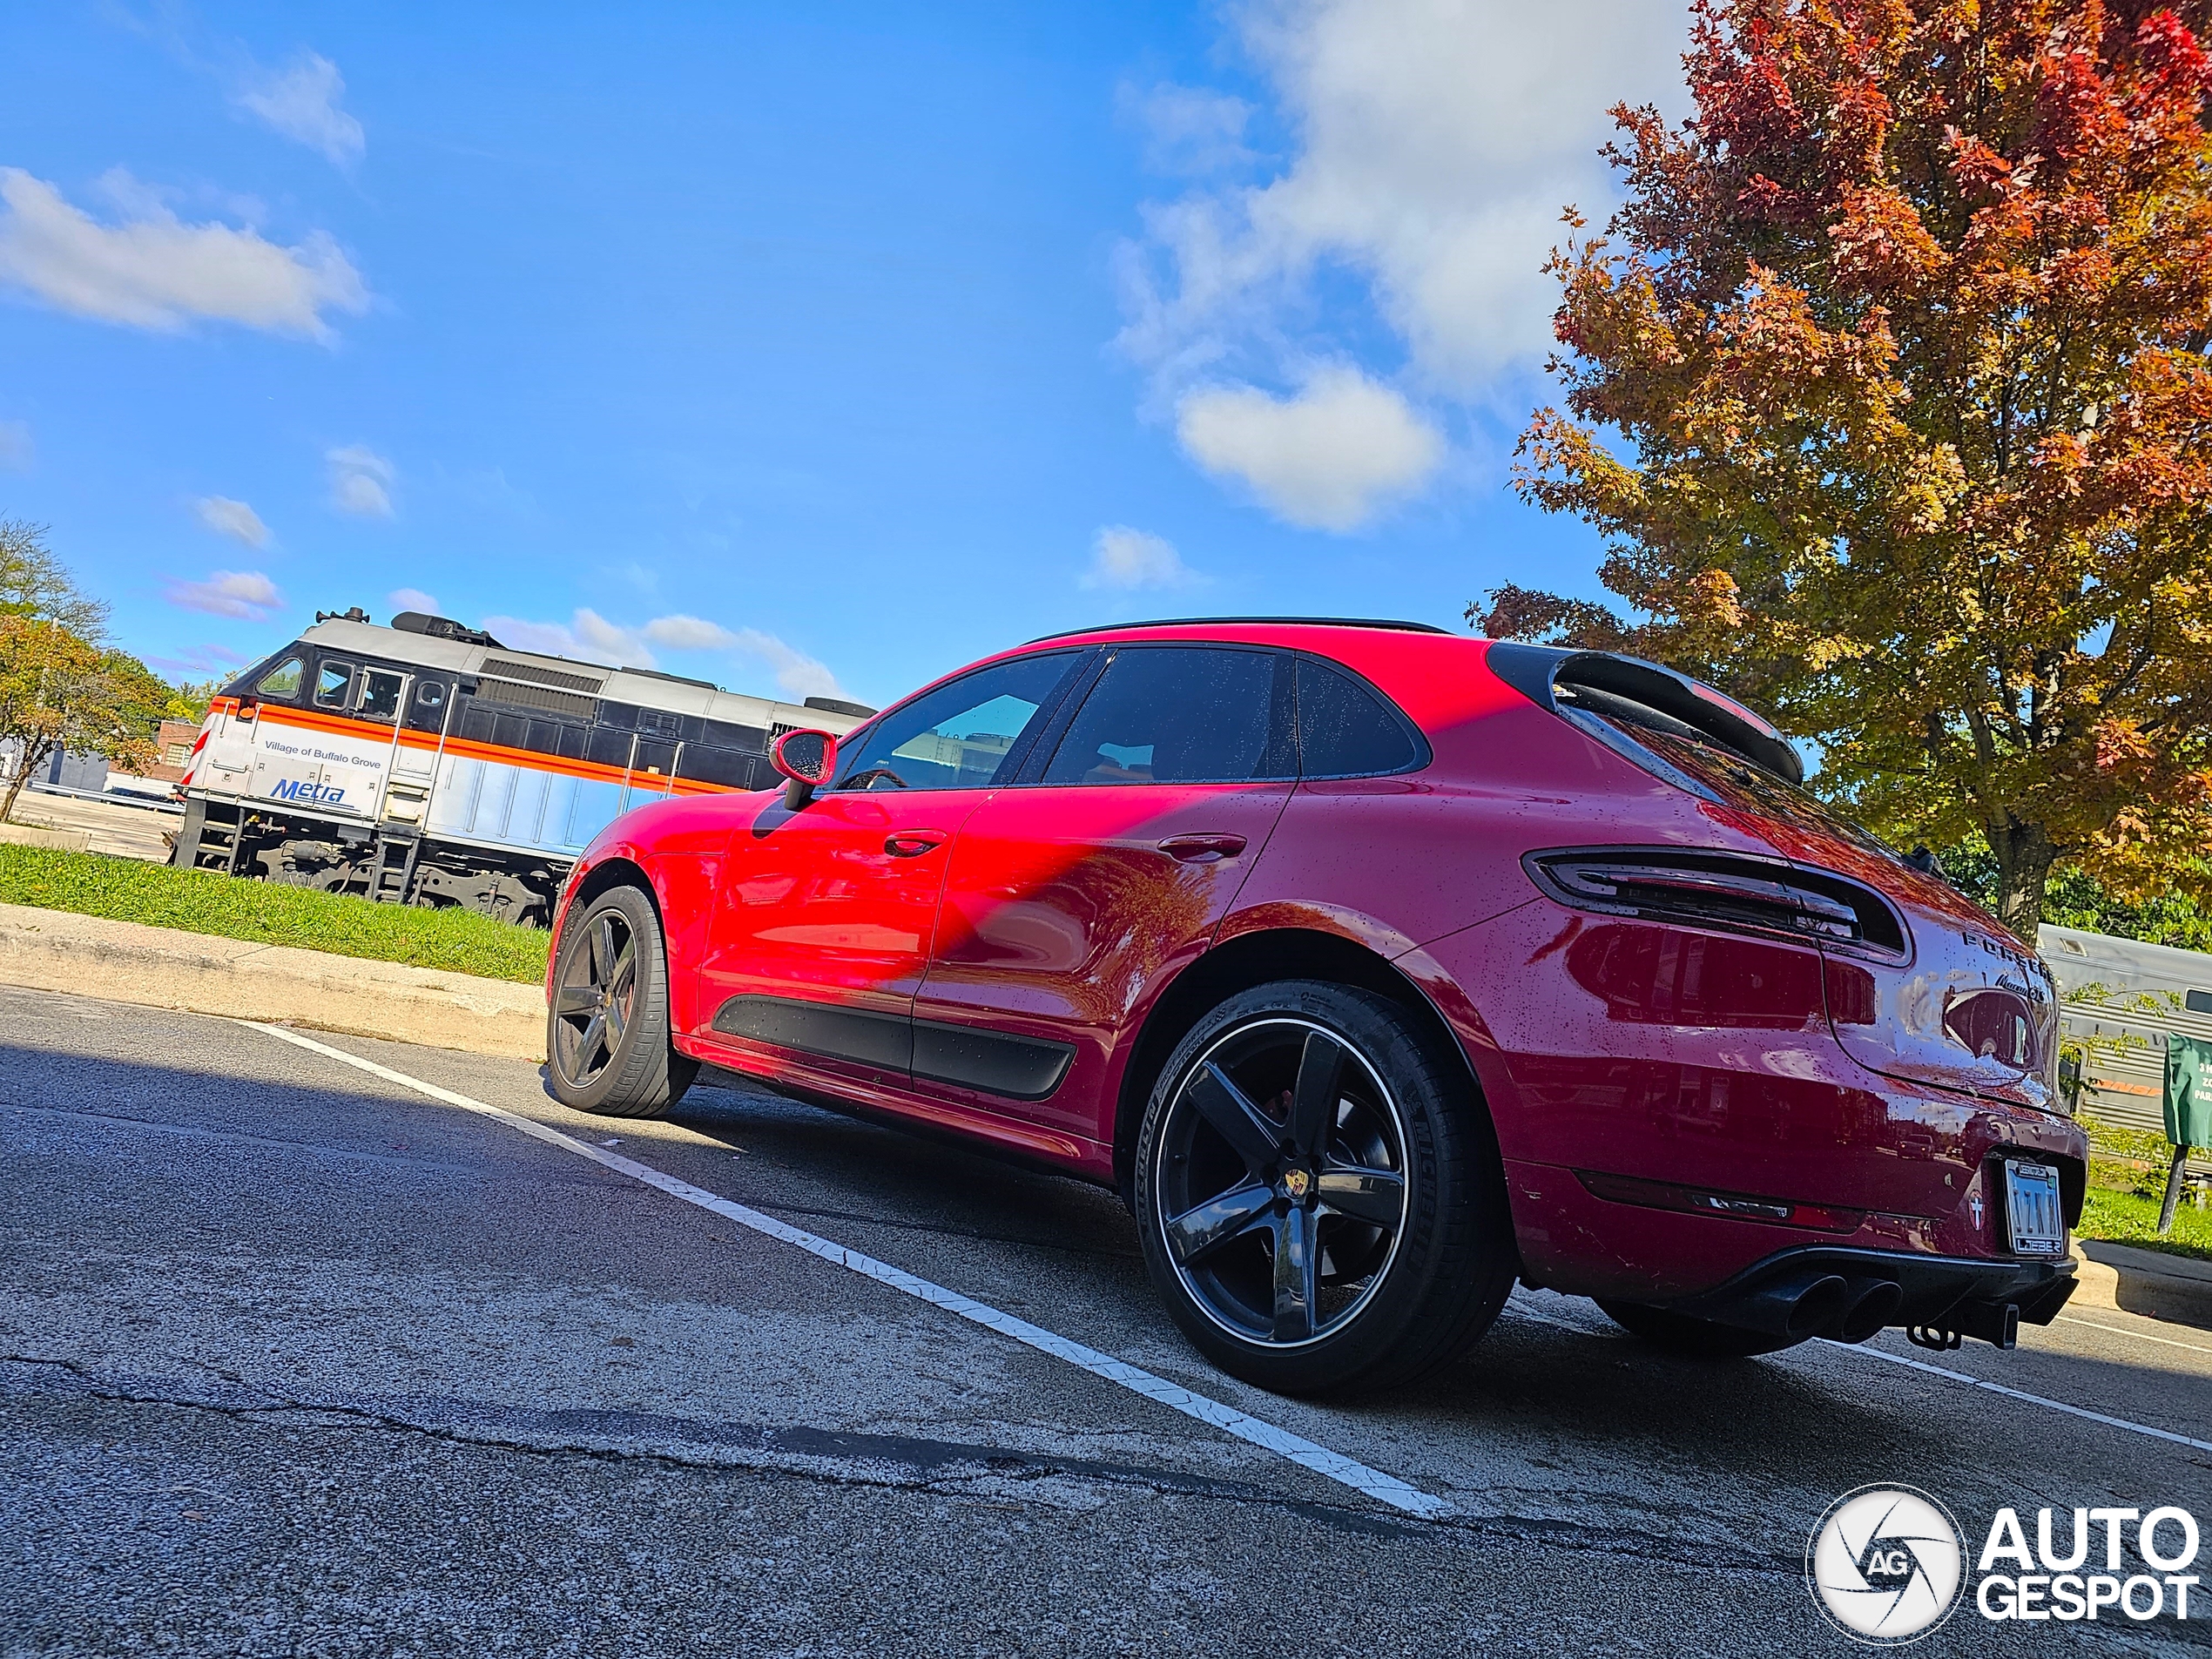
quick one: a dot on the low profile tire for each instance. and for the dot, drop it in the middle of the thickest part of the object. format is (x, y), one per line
(1318, 1193)
(1699, 1339)
(607, 1045)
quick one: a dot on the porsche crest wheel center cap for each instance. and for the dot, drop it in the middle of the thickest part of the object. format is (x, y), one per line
(1297, 1183)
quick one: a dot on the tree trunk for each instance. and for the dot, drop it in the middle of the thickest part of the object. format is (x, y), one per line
(2025, 854)
(34, 756)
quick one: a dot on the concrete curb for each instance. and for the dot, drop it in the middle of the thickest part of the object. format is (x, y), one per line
(65, 840)
(2147, 1282)
(162, 967)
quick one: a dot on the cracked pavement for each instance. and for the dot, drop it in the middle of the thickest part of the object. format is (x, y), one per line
(295, 1361)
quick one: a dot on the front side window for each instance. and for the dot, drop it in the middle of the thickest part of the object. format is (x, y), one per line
(957, 737)
(1177, 715)
(379, 698)
(283, 680)
(332, 682)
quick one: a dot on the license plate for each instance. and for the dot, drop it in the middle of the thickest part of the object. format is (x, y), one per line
(2032, 1209)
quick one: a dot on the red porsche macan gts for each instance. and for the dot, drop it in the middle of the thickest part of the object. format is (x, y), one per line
(1376, 967)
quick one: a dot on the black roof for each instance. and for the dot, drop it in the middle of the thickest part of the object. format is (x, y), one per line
(1307, 622)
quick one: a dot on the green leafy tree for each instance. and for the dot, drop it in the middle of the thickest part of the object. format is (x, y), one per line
(33, 583)
(189, 699)
(59, 686)
(1888, 389)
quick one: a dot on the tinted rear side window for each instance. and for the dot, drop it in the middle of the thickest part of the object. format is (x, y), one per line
(1173, 714)
(1343, 731)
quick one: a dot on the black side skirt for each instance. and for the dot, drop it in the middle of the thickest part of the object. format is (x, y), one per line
(967, 1057)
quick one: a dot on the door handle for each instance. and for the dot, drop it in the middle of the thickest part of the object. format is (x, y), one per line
(912, 844)
(1202, 849)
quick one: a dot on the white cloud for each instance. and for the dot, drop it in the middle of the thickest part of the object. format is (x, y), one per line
(797, 674)
(151, 270)
(246, 594)
(1189, 129)
(688, 633)
(17, 451)
(232, 518)
(1126, 558)
(302, 102)
(1434, 142)
(199, 662)
(361, 481)
(591, 636)
(411, 599)
(1329, 458)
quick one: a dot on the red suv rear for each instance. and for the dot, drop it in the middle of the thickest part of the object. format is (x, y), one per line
(1376, 967)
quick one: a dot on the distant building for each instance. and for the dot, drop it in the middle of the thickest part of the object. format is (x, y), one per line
(172, 750)
(88, 771)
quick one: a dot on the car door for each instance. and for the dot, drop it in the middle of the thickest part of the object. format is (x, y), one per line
(823, 925)
(1069, 895)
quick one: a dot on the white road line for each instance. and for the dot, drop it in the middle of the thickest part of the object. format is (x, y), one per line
(1334, 1466)
(1971, 1380)
(2139, 1336)
(2034, 1399)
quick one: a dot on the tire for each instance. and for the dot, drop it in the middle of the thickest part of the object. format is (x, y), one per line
(607, 1048)
(1699, 1339)
(1317, 1127)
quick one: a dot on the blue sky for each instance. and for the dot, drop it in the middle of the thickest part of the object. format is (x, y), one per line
(803, 348)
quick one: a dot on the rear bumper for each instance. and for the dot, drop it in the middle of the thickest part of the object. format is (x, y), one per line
(1937, 1290)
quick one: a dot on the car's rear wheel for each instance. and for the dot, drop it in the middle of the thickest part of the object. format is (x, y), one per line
(1318, 1193)
(607, 1045)
(1700, 1338)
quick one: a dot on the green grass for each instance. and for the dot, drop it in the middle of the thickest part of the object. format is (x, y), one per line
(2127, 1182)
(91, 884)
(2131, 1218)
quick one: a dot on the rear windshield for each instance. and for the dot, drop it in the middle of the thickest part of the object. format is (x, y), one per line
(1750, 788)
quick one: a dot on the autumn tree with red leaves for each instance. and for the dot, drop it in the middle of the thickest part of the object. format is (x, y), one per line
(1888, 388)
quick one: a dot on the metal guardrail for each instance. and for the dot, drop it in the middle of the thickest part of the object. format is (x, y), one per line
(115, 798)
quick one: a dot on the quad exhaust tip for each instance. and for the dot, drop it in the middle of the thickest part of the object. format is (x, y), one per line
(1873, 1302)
(1819, 1305)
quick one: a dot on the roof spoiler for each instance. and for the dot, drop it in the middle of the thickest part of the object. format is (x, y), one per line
(1629, 689)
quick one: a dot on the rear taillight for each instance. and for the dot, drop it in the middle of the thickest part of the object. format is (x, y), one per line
(1727, 891)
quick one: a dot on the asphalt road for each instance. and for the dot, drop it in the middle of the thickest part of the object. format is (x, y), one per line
(294, 1360)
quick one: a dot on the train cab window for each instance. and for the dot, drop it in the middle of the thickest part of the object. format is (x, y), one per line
(282, 681)
(428, 707)
(379, 694)
(331, 684)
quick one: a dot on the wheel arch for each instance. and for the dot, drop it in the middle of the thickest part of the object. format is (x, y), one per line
(617, 869)
(1240, 964)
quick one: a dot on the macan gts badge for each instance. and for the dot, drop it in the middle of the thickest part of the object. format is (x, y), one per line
(1376, 968)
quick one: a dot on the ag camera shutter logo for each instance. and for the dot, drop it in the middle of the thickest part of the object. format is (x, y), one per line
(1885, 1564)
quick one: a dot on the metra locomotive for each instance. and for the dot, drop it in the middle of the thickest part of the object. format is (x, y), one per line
(425, 762)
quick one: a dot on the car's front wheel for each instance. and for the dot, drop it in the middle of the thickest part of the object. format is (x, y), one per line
(607, 1046)
(1318, 1193)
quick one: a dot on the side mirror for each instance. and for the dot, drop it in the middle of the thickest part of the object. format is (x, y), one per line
(807, 760)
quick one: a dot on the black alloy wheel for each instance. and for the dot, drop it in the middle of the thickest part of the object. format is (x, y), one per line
(1281, 1178)
(595, 998)
(607, 1032)
(1319, 1192)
